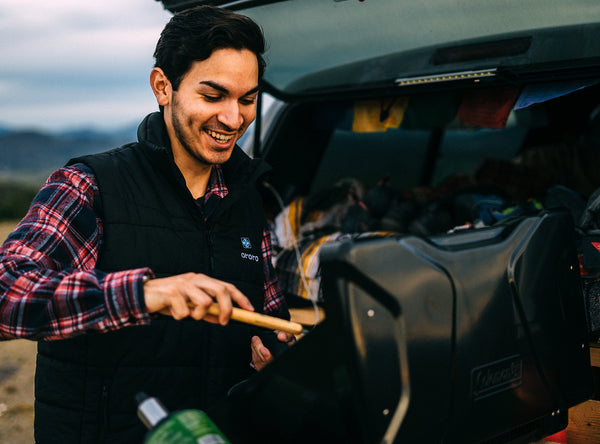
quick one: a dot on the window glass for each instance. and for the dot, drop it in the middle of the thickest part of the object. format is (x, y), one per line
(367, 157)
(401, 154)
(464, 150)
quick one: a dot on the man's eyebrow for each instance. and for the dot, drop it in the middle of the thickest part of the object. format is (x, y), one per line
(225, 90)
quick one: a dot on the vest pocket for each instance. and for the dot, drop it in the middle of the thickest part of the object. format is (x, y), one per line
(54, 424)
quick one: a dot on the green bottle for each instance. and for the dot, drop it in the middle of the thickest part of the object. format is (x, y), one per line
(183, 427)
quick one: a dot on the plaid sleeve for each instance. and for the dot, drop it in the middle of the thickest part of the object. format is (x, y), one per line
(49, 287)
(275, 303)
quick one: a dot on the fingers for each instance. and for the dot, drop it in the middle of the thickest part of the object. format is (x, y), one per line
(261, 355)
(177, 308)
(224, 293)
(191, 294)
(288, 338)
(240, 299)
(200, 311)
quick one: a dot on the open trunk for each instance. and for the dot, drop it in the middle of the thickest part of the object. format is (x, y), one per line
(433, 163)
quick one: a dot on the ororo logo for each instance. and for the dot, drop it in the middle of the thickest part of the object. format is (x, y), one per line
(251, 257)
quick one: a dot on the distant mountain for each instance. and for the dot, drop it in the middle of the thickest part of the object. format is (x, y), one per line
(31, 155)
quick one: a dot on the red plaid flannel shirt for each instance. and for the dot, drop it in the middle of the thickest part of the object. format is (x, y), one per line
(49, 288)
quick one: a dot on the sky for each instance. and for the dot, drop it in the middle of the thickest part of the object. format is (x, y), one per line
(70, 64)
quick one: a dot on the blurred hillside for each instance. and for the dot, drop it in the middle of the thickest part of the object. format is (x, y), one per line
(28, 157)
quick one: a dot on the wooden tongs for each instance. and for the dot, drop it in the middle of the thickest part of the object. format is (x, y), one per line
(260, 320)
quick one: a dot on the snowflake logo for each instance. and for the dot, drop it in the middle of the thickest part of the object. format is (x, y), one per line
(246, 243)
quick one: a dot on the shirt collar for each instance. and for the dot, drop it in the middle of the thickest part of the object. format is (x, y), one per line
(216, 184)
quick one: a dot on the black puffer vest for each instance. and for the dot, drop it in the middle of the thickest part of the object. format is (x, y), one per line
(85, 386)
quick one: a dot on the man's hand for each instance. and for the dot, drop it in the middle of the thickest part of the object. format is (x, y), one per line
(191, 294)
(261, 355)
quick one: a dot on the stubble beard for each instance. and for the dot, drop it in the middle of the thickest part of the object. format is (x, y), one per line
(184, 139)
(179, 128)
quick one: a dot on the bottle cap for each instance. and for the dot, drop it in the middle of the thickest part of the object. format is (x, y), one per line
(150, 410)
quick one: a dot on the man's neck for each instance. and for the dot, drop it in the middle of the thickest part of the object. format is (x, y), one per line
(196, 177)
(197, 181)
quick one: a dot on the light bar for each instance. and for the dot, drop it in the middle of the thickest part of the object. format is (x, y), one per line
(447, 77)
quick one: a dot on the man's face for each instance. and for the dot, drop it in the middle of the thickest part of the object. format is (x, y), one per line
(213, 106)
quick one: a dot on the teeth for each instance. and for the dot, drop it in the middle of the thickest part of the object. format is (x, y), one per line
(220, 137)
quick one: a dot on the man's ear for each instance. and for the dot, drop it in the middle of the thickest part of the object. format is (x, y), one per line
(161, 86)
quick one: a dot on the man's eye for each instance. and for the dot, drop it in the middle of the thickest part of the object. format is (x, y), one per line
(248, 101)
(211, 98)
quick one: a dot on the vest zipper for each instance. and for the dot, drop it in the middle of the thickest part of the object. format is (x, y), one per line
(102, 415)
(211, 259)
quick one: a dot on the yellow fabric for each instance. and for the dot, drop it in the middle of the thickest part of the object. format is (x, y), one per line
(310, 265)
(310, 262)
(294, 215)
(368, 114)
(287, 224)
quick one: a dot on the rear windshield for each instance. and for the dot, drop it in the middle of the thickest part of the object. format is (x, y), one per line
(435, 141)
(401, 154)
(310, 36)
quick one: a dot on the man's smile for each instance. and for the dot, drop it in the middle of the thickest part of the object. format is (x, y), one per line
(221, 138)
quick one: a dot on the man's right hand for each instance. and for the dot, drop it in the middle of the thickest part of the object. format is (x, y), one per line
(191, 294)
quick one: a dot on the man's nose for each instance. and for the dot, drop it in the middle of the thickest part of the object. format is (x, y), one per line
(230, 115)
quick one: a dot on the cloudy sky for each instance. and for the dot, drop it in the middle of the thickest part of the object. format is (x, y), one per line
(75, 63)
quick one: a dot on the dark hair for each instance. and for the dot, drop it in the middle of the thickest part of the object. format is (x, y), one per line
(194, 34)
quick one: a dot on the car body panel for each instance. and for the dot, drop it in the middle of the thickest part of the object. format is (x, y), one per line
(320, 46)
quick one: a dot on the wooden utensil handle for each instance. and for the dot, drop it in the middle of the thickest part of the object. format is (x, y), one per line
(260, 320)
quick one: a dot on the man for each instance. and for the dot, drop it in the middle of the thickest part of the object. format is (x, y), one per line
(122, 253)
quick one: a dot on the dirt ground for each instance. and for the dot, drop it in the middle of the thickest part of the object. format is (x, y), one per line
(17, 364)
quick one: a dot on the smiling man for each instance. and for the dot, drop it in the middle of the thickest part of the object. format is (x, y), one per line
(122, 253)
(210, 109)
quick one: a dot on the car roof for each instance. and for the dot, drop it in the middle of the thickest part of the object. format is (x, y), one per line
(317, 46)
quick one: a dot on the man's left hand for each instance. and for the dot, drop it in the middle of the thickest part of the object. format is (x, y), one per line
(261, 355)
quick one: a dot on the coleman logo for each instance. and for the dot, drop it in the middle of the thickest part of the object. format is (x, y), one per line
(251, 257)
(496, 377)
(246, 243)
(596, 245)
